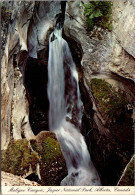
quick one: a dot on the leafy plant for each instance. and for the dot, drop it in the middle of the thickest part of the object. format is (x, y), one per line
(98, 13)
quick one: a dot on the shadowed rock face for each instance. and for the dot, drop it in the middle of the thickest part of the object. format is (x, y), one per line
(36, 86)
(108, 124)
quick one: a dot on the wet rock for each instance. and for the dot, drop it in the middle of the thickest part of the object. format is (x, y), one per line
(52, 163)
(41, 25)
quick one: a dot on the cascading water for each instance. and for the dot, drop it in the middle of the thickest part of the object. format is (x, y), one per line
(65, 104)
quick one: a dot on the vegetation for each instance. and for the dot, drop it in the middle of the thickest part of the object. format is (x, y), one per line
(53, 166)
(114, 104)
(51, 149)
(18, 158)
(98, 13)
(111, 102)
(34, 145)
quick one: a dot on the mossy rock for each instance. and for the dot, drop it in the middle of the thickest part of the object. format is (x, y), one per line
(114, 105)
(52, 165)
(110, 102)
(18, 158)
(127, 178)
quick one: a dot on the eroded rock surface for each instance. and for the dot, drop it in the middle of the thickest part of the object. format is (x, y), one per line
(103, 50)
(12, 83)
(8, 179)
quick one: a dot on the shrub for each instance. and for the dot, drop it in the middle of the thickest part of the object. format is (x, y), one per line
(98, 13)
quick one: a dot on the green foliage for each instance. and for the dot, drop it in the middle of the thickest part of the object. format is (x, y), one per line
(111, 102)
(98, 13)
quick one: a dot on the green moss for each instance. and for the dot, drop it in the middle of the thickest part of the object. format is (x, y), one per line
(128, 177)
(114, 104)
(18, 157)
(110, 102)
(51, 149)
(34, 145)
(53, 166)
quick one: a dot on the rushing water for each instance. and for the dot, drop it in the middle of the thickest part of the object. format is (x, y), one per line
(65, 103)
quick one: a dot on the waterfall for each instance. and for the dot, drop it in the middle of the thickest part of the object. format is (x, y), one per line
(65, 113)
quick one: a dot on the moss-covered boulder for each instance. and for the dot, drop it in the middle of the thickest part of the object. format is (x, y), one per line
(127, 178)
(18, 158)
(111, 102)
(112, 105)
(21, 156)
(52, 163)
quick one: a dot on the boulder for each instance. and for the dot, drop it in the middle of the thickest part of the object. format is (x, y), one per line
(41, 156)
(18, 158)
(52, 163)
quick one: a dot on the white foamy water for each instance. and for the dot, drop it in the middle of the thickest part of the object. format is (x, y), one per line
(64, 96)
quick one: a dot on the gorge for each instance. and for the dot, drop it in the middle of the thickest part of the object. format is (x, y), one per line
(79, 103)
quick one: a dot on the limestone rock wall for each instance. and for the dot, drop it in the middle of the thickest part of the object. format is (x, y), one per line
(102, 50)
(7, 85)
(123, 58)
(10, 107)
(96, 51)
(41, 25)
(29, 26)
(124, 25)
(20, 109)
